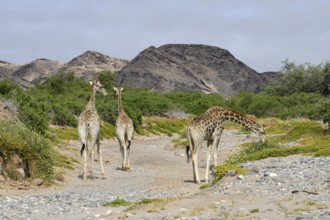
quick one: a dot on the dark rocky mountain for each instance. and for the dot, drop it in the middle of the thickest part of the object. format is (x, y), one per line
(84, 66)
(168, 68)
(192, 68)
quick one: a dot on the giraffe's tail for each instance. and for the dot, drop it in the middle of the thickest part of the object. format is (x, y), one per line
(129, 145)
(85, 141)
(82, 149)
(187, 153)
(189, 147)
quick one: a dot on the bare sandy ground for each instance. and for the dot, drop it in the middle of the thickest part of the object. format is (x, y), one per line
(157, 167)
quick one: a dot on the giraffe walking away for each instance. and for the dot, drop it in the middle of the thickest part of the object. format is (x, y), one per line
(89, 126)
(208, 127)
(124, 131)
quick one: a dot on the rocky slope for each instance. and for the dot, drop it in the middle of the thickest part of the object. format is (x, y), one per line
(192, 68)
(168, 68)
(90, 63)
(84, 66)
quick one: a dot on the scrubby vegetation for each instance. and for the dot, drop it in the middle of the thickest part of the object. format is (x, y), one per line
(151, 204)
(117, 203)
(297, 137)
(35, 150)
(156, 125)
(62, 98)
(302, 92)
(285, 137)
(221, 171)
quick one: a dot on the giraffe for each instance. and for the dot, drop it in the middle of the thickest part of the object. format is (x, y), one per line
(209, 127)
(89, 125)
(124, 131)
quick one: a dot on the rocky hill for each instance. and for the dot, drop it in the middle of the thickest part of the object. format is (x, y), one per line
(168, 68)
(90, 63)
(192, 68)
(84, 66)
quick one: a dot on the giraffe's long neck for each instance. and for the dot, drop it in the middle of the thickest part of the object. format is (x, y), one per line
(240, 119)
(91, 103)
(120, 105)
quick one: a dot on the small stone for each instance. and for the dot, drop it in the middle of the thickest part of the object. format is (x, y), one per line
(231, 172)
(272, 174)
(109, 212)
(128, 214)
(97, 215)
(38, 182)
(240, 177)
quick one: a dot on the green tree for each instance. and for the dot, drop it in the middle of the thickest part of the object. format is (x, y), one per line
(306, 78)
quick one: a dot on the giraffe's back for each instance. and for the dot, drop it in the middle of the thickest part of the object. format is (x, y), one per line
(205, 127)
(88, 117)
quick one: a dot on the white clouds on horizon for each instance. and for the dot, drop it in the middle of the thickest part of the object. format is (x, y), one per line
(259, 33)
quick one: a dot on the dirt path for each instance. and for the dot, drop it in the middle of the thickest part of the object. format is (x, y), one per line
(158, 168)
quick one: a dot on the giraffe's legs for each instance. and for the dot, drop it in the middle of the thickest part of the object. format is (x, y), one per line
(92, 161)
(123, 151)
(128, 164)
(208, 158)
(129, 138)
(99, 151)
(83, 135)
(215, 150)
(195, 167)
(85, 164)
(215, 147)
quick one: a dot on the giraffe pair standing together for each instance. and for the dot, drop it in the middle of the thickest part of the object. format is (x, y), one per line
(89, 125)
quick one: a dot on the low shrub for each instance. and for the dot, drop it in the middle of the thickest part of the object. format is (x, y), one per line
(221, 171)
(164, 125)
(35, 150)
(307, 137)
(117, 203)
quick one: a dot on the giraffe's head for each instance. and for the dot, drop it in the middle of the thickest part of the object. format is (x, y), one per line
(97, 87)
(118, 90)
(261, 133)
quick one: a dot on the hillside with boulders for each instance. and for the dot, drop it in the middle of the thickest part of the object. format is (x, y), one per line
(172, 67)
(190, 67)
(84, 66)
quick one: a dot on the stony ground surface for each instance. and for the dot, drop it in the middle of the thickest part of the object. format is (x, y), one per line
(295, 187)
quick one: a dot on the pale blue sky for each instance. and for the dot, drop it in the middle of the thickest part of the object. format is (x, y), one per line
(260, 33)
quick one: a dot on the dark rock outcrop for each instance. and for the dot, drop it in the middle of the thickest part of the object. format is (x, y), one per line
(192, 68)
(168, 68)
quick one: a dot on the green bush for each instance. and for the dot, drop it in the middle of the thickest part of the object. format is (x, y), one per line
(309, 137)
(34, 118)
(62, 98)
(6, 87)
(35, 150)
(221, 171)
(195, 102)
(305, 78)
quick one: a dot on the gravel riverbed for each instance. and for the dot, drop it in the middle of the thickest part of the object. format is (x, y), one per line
(294, 187)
